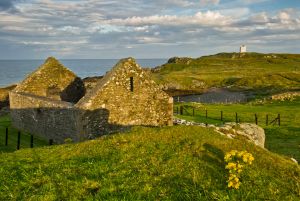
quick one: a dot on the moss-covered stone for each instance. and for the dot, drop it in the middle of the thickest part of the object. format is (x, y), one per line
(54, 81)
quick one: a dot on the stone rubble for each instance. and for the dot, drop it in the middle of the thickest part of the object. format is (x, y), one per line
(251, 132)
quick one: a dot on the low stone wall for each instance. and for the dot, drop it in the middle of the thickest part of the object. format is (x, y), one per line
(44, 117)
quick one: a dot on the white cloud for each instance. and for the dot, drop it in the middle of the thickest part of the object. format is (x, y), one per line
(284, 16)
(200, 18)
(87, 26)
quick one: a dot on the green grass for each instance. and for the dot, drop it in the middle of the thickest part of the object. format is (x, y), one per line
(284, 139)
(13, 135)
(170, 163)
(254, 71)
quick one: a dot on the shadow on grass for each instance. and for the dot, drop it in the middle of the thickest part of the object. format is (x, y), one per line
(213, 155)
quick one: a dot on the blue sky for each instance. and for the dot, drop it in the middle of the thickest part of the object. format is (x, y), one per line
(36, 29)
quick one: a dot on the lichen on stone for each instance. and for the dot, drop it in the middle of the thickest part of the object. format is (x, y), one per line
(53, 80)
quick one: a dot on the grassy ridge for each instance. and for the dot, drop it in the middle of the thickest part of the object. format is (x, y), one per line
(283, 140)
(171, 163)
(252, 71)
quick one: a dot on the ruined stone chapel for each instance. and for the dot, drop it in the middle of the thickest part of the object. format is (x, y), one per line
(52, 102)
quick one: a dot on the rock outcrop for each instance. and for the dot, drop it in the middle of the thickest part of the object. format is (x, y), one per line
(251, 132)
(180, 60)
(286, 96)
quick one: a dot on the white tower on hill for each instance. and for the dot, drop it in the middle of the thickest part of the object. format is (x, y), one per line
(243, 49)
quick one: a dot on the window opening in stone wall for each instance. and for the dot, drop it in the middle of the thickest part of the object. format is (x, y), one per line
(131, 84)
(38, 111)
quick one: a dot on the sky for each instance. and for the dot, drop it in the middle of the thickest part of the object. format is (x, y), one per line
(104, 29)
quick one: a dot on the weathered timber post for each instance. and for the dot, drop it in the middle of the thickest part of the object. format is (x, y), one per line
(205, 113)
(31, 141)
(181, 110)
(221, 115)
(6, 136)
(236, 117)
(256, 119)
(19, 140)
(278, 119)
(267, 120)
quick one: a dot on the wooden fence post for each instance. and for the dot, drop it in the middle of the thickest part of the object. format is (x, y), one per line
(267, 120)
(19, 140)
(278, 119)
(31, 141)
(6, 136)
(256, 120)
(181, 110)
(206, 113)
(236, 117)
(221, 115)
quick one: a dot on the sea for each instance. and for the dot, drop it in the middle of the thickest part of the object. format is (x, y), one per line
(14, 71)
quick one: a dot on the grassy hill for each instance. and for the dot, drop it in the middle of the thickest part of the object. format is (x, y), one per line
(283, 139)
(170, 163)
(263, 73)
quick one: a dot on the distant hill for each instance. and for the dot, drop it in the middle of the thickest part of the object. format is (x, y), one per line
(261, 73)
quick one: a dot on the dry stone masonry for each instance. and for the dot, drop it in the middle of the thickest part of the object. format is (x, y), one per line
(46, 102)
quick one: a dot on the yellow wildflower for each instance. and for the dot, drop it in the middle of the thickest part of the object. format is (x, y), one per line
(236, 160)
(233, 152)
(230, 166)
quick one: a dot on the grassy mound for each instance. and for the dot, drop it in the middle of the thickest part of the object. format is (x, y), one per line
(171, 163)
(251, 71)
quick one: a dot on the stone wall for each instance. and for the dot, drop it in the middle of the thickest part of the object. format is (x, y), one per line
(124, 97)
(44, 117)
(146, 104)
(53, 80)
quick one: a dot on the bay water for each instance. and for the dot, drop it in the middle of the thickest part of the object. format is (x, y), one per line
(14, 71)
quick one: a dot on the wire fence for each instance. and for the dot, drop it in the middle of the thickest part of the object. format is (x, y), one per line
(219, 116)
